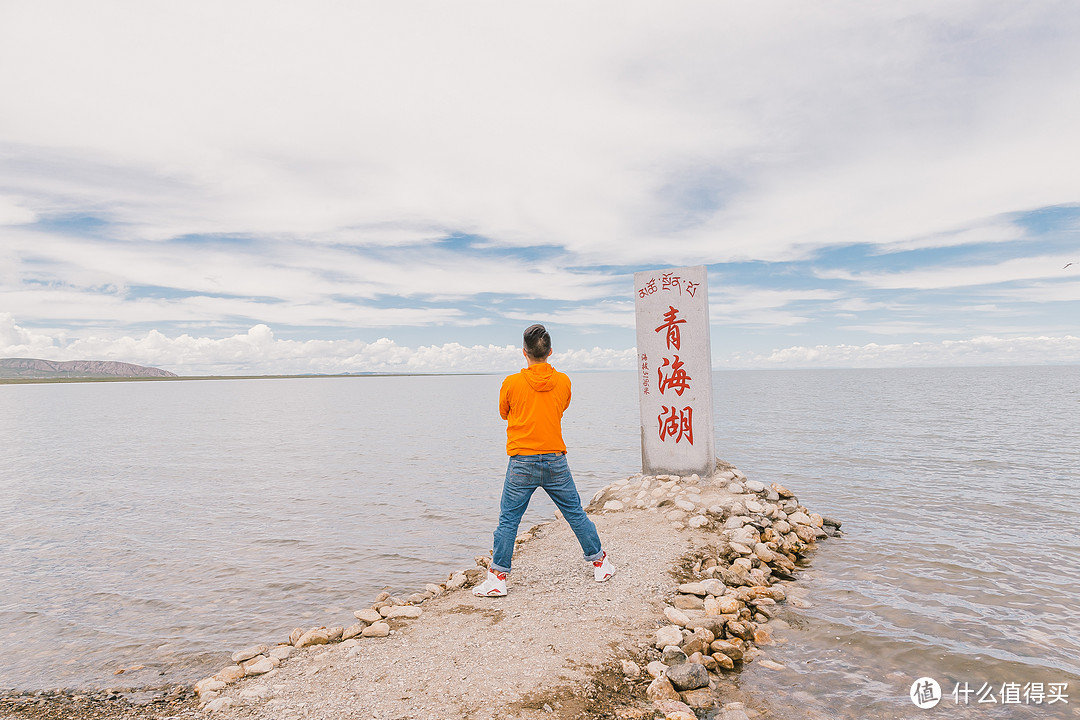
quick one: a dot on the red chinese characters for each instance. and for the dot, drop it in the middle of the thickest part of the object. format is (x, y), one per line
(671, 324)
(676, 423)
(678, 380)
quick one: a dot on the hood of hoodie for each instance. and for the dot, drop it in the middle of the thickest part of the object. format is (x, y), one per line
(541, 377)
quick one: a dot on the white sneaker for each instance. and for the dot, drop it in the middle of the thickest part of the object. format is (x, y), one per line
(494, 586)
(603, 569)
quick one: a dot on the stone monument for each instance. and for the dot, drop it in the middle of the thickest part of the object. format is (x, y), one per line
(674, 371)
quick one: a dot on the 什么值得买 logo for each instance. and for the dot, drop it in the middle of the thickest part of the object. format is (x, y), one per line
(925, 692)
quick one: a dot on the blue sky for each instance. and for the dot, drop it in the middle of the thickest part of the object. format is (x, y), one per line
(342, 186)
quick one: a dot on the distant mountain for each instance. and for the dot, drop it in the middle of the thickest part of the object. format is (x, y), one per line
(42, 369)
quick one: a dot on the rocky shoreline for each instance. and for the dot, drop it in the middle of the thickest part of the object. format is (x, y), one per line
(731, 546)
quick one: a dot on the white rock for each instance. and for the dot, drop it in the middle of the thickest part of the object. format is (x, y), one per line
(259, 666)
(676, 616)
(668, 635)
(230, 673)
(754, 506)
(713, 586)
(658, 491)
(744, 536)
(368, 615)
(799, 518)
(685, 505)
(281, 652)
(208, 685)
(613, 505)
(694, 479)
(693, 588)
(698, 521)
(404, 611)
(315, 636)
(656, 669)
(736, 522)
(728, 604)
(248, 653)
(740, 548)
(736, 488)
(457, 580)
(379, 629)
(435, 590)
(726, 475)
(631, 669)
(754, 486)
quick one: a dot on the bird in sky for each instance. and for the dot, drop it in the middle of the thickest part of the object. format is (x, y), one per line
(1067, 265)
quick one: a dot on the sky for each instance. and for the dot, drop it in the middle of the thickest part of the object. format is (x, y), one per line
(267, 187)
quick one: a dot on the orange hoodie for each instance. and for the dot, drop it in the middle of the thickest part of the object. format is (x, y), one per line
(532, 403)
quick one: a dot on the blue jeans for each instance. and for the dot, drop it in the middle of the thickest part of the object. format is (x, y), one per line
(526, 473)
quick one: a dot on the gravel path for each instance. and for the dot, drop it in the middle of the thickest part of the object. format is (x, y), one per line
(471, 657)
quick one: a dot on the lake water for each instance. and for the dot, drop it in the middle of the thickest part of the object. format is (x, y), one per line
(165, 524)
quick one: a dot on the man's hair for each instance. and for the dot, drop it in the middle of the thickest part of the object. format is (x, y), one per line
(537, 342)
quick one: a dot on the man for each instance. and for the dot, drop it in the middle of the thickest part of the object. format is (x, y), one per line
(532, 403)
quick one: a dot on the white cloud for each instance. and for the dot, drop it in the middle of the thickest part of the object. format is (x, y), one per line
(734, 305)
(326, 146)
(258, 351)
(1017, 269)
(996, 231)
(901, 327)
(53, 278)
(11, 213)
(609, 313)
(1063, 291)
(986, 350)
(699, 132)
(17, 341)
